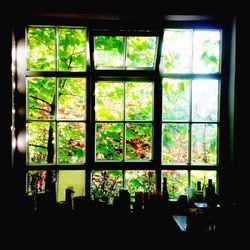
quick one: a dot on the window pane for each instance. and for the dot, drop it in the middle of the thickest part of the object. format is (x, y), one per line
(203, 176)
(106, 183)
(177, 182)
(205, 100)
(41, 92)
(41, 142)
(204, 143)
(109, 141)
(141, 51)
(139, 101)
(175, 100)
(206, 57)
(72, 98)
(70, 179)
(71, 142)
(72, 49)
(138, 141)
(41, 48)
(174, 143)
(140, 181)
(109, 51)
(40, 180)
(177, 49)
(109, 101)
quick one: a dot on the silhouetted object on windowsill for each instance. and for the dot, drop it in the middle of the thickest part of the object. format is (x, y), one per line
(198, 194)
(211, 197)
(138, 204)
(165, 194)
(122, 202)
(69, 195)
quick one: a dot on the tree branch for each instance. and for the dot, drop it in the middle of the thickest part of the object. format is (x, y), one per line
(37, 146)
(37, 98)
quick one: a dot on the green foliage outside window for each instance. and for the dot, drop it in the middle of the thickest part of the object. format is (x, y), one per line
(124, 110)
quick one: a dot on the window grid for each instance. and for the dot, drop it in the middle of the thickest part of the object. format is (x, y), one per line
(92, 75)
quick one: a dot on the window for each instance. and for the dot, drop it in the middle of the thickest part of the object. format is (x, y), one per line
(108, 109)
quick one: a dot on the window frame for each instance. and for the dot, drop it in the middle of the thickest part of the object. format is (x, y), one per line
(92, 75)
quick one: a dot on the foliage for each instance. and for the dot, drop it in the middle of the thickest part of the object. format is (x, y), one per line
(106, 183)
(140, 181)
(124, 110)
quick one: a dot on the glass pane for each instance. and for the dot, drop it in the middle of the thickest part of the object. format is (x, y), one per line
(205, 100)
(138, 141)
(109, 101)
(203, 176)
(109, 141)
(41, 48)
(177, 49)
(71, 142)
(72, 49)
(206, 57)
(109, 51)
(70, 179)
(141, 51)
(204, 143)
(106, 183)
(177, 182)
(41, 142)
(140, 181)
(139, 101)
(174, 143)
(72, 98)
(40, 180)
(175, 100)
(41, 92)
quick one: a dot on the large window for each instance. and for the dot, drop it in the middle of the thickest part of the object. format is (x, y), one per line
(122, 108)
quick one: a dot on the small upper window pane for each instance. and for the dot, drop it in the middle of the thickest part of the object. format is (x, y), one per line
(175, 106)
(72, 49)
(41, 48)
(139, 101)
(205, 100)
(206, 51)
(41, 100)
(109, 101)
(177, 51)
(109, 51)
(141, 52)
(72, 98)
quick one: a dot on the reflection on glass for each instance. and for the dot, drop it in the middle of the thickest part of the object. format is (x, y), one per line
(72, 49)
(138, 141)
(109, 141)
(70, 179)
(109, 51)
(71, 142)
(140, 181)
(109, 101)
(175, 99)
(177, 49)
(204, 143)
(41, 100)
(106, 183)
(205, 100)
(139, 101)
(206, 51)
(41, 48)
(177, 182)
(175, 143)
(72, 98)
(140, 52)
(41, 144)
